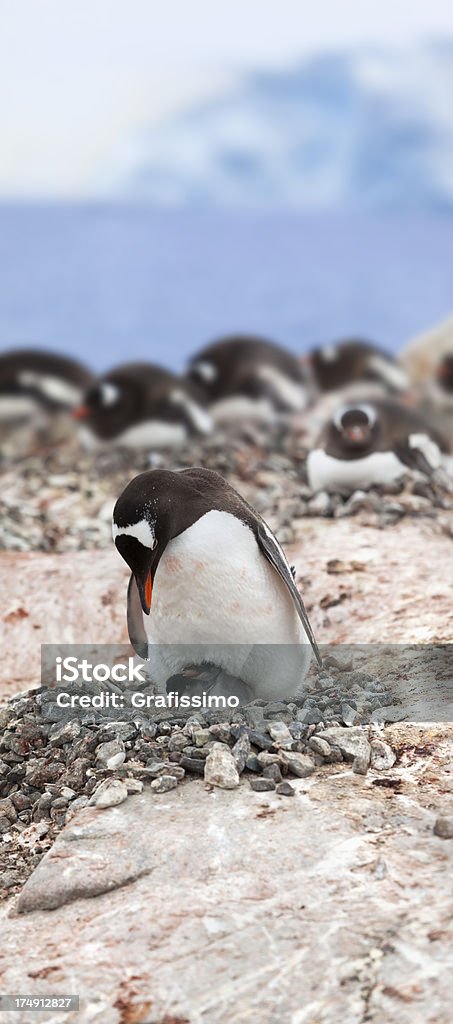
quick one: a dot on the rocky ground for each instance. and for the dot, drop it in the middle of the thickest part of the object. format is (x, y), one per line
(289, 861)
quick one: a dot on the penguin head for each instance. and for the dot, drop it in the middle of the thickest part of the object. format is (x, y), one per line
(154, 507)
(356, 424)
(109, 405)
(444, 373)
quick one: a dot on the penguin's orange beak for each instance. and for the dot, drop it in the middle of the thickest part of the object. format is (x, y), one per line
(80, 412)
(148, 591)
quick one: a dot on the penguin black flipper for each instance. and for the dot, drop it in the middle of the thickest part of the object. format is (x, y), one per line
(135, 628)
(414, 457)
(271, 549)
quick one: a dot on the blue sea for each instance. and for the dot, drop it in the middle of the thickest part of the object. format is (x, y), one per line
(109, 283)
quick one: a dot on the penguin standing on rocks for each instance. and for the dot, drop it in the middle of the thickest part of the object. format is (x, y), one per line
(370, 443)
(337, 366)
(210, 584)
(35, 384)
(139, 405)
(251, 378)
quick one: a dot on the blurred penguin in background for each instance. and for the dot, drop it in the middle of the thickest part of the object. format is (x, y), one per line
(37, 391)
(35, 384)
(344, 364)
(138, 405)
(249, 378)
(373, 443)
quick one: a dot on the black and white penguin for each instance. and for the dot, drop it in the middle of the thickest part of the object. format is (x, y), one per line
(344, 363)
(370, 443)
(34, 384)
(251, 378)
(139, 405)
(209, 582)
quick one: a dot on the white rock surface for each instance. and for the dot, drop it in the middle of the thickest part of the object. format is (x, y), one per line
(217, 906)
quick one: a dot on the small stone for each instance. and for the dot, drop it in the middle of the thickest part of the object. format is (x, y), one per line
(273, 772)
(241, 751)
(133, 785)
(109, 793)
(220, 732)
(262, 785)
(300, 765)
(253, 716)
(349, 714)
(320, 746)
(265, 759)
(252, 763)
(7, 809)
(285, 789)
(280, 734)
(110, 754)
(260, 740)
(67, 793)
(66, 733)
(164, 783)
(320, 504)
(382, 755)
(193, 765)
(201, 737)
(444, 827)
(220, 769)
(353, 743)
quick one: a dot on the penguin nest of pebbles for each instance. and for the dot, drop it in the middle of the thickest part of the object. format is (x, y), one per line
(52, 763)
(63, 500)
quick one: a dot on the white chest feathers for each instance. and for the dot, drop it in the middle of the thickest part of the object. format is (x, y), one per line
(326, 473)
(214, 585)
(216, 594)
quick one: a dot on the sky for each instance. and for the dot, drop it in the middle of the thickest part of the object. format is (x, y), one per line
(79, 77)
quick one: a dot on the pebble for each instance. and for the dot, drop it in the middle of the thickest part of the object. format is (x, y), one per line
(320, 746)
(220, 769)
(280, 734)
(241, 751)
(272, 772)
(164, 783)
(109, 793)
(444, 827)
(382, 755)
(301, 765)
(262, 785)
(110, 754)
(285, 789)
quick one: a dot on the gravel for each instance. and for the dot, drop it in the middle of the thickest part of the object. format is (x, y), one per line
(63, 500)
(52, 762)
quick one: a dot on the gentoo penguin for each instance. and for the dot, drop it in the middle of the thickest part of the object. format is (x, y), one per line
(249, 377)
(209, 582)
(139, 405)
(374, 442)
(347, 362)
(33, 383)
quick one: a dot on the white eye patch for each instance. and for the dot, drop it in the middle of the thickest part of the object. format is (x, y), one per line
(206, 371)
(109, 393)
(328, 353)
(142, 531)
(367, 410)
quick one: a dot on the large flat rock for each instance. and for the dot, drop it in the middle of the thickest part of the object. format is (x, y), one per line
(223, 906)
